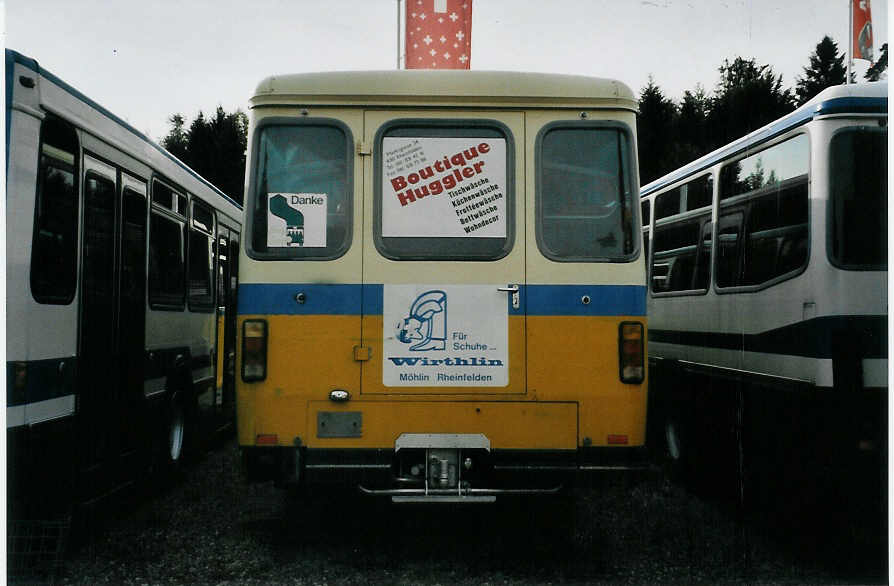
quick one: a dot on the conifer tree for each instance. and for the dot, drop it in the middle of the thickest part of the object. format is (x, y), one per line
(879, 67)
(826, 69)
(654, 129)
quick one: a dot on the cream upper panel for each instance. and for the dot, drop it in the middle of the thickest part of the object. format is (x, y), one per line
(454, 88)
(524, 261)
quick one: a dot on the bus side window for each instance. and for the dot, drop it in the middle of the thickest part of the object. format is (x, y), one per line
(703, 260)
(166, 290)
(200, 262)
(675, 258)
(729, 232)
(645, 209)
(770, 188)
(54, 245)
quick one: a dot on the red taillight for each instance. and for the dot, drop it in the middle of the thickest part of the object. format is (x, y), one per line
(266, 439)
(617, 440)
(631, 352)
(254, 350)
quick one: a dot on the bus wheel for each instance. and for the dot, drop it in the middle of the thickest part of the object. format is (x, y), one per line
(675, 449)
(176, 430)
(672, 441)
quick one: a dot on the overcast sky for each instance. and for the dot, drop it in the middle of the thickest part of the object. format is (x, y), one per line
(145, 60)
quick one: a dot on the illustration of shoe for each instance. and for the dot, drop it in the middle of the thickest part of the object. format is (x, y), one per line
(426, 322)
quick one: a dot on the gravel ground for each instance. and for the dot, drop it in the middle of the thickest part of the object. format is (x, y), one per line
(209, 526)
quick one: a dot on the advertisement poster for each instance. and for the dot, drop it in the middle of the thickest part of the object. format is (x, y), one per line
(444, 187)
(445, 336)
(296, 220)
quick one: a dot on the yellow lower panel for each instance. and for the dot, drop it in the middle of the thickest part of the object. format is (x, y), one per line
(576, 358)
(307, 357)
(508, 425)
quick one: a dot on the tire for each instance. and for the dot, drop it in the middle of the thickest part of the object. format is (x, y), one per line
(176, 432)
(675, 454)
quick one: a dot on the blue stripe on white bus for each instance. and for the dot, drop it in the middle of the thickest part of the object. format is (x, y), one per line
(355, 299)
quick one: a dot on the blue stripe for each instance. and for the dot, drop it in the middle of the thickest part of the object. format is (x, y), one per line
(355, 299)
(569, 300)
(278, 299)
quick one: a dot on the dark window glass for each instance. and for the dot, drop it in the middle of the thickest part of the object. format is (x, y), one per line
(646, 209)
(776, 233)
(99, 257)
(54, 247)
(202, 217)
(698, 193)
(667, 204)
(302, 205)
(133, 263)
(703, 261)
(200, 267)
(646, 250)
(775, 236)
(858, 208)
(680, 257)
(132, 315)
(166, 286)
(163, 195)
(585, 204)
(729, 237)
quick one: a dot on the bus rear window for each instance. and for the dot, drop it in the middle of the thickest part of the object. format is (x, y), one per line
(444, 190)
(858, 205)
(585, 193)
(301, 207)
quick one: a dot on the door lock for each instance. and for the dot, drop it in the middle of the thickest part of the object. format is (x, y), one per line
(513, 289)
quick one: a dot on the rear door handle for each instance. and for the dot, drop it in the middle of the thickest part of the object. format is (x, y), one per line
(514, 290)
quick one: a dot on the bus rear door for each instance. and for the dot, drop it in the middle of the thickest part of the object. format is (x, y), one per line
(443, 266)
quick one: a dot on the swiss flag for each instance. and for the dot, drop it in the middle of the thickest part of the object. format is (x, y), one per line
(439, 34)
(862, 41)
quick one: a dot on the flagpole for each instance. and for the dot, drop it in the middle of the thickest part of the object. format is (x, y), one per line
(850, 40)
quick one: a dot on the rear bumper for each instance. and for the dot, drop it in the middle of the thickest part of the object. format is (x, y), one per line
(377, 471)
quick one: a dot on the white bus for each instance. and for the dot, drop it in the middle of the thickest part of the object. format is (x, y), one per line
(121, 284)
(768, 300)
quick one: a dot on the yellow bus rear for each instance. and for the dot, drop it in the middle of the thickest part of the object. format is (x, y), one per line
(441, 292)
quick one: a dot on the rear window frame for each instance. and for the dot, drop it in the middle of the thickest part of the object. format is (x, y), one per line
(250, 204)
(443, 128)
(631, 182)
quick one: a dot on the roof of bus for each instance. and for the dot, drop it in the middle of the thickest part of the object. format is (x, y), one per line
(427, 86)
(858, 98)
(12, 57)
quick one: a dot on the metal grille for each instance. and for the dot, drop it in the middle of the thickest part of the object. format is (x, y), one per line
(35, 548)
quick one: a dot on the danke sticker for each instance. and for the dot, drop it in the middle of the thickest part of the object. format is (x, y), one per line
(296, 220)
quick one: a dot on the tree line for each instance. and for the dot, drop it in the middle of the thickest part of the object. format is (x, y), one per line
(747, 96)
